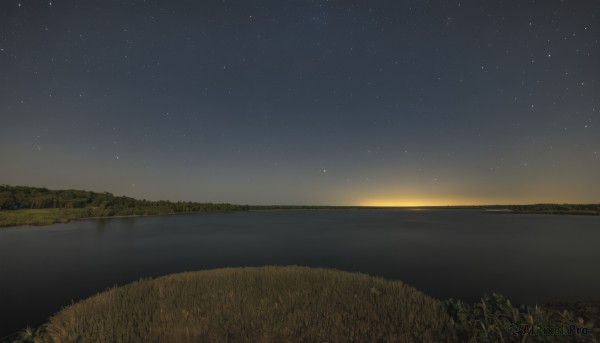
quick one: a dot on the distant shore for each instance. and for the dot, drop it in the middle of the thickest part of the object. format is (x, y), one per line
(145, 215)
(24, 205)
(35, 217)
(49, 216)
(558, 212)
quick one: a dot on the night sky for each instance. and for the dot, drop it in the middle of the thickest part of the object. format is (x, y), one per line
(304, 102)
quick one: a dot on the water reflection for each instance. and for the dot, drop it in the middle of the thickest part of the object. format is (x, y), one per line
(120, 223)
(100, 227)
(445, 253)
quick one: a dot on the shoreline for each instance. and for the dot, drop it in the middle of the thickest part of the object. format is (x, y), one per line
(37, 217)
(147, 215)
(31, 220)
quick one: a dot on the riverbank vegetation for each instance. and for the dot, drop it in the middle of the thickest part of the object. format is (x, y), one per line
(299, 304)
(23, 205)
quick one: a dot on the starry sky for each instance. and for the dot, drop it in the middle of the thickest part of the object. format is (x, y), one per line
(406, 102)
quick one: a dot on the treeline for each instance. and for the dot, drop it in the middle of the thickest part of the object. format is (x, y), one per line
(98, 204)
(593, 209)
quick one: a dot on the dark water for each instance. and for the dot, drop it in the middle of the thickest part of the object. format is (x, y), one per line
(444, 253)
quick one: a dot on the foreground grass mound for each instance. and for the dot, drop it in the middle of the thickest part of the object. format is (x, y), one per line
(266, 304)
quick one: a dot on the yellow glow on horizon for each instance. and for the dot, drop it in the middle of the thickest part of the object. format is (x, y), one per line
(416, 202)
(414, 196)
(424, 200)
(413, 202)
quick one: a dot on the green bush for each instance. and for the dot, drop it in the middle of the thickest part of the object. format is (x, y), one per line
(495, 319)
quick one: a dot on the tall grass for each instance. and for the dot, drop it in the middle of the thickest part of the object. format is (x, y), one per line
(299, 304)
(44, 216)
(262, 304)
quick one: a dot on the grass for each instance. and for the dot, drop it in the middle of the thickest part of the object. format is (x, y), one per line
(262, 304)
(44, 216)
(48, 216)
(300, 304)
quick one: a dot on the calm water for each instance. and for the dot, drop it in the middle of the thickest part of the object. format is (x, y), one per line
(444, 253)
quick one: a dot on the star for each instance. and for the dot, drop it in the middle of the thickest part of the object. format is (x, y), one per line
(320, 84)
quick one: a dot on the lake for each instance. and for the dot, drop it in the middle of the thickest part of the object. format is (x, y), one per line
(530, 258)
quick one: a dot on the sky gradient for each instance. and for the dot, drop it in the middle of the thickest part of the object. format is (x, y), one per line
(304, 102)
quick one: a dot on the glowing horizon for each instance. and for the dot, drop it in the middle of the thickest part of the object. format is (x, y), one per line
(387, 202)
(215, 103)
